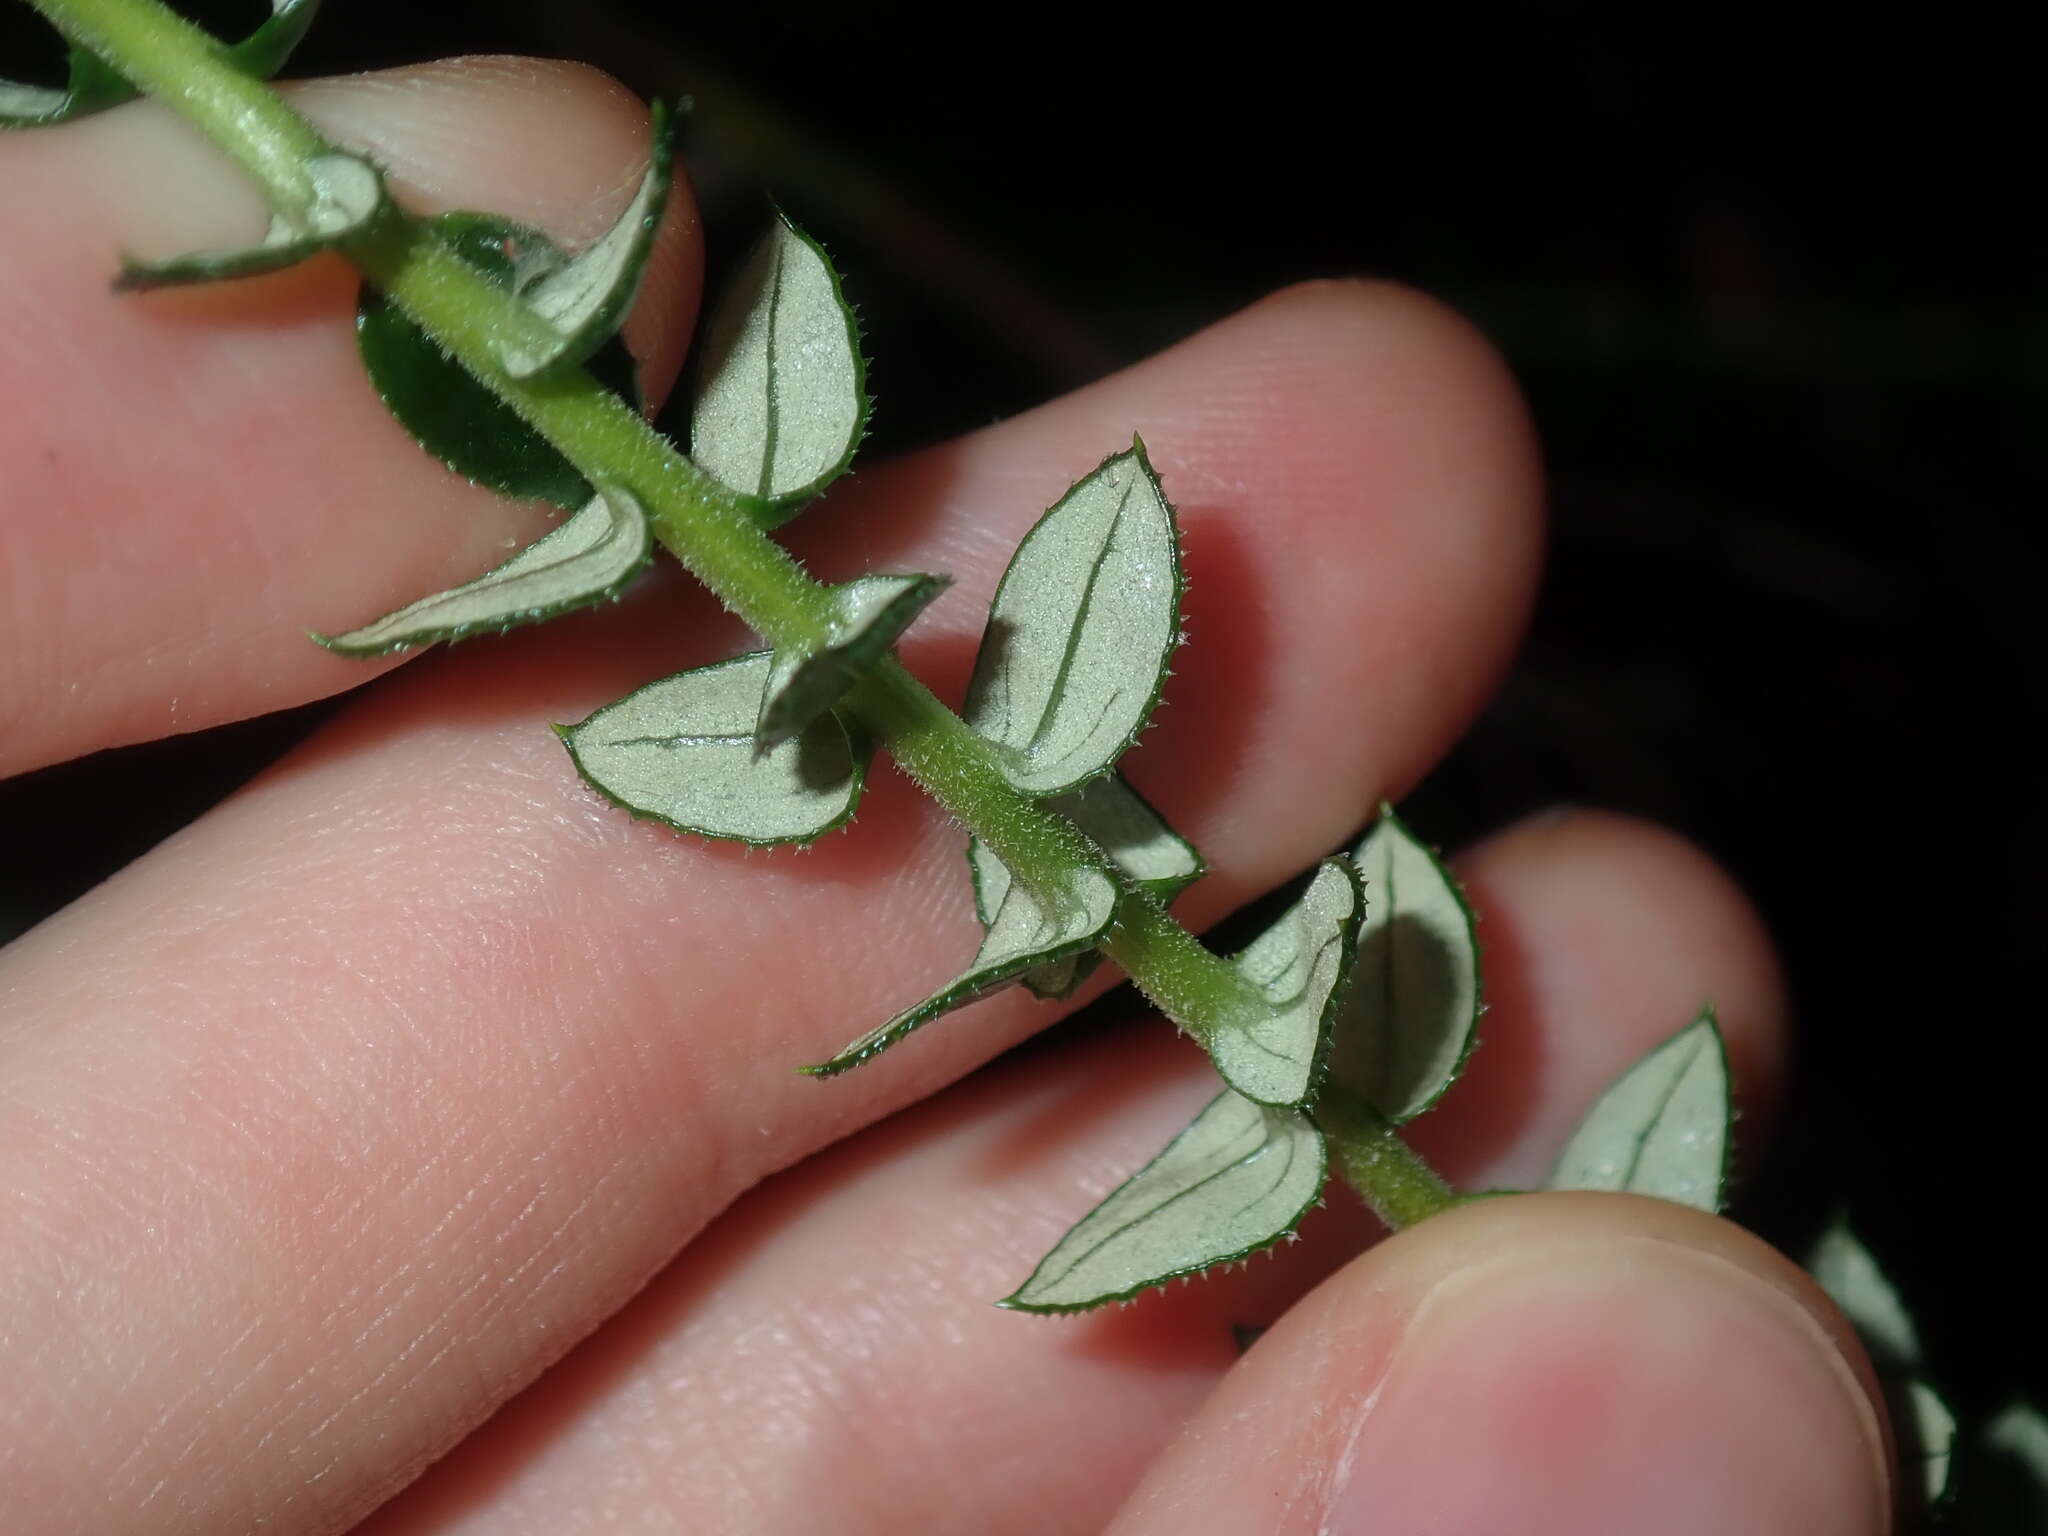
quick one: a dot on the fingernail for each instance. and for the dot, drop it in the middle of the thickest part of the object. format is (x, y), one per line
(1625, 1385)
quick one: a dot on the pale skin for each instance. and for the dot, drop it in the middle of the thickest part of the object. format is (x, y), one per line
(333, 1123)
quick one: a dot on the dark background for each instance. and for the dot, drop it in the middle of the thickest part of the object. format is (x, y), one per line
(1774, 285)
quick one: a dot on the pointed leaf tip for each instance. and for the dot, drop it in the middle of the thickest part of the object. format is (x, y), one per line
(1299, 966)
(591, 557)
(681, 751)
(1662, 1128)
(870, 615)
(1855, 1282)
(781, 401)
(1411, 1014)
(1074, 656)
(1023, 933)
(583, 302)
(1237, 1180)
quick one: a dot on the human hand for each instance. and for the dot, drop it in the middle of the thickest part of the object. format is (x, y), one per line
(329, 1126)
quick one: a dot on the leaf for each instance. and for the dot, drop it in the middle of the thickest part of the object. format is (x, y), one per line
(270, 47)
(1662, 1127)
(1926, 1428)
(93, 87)
(1119, 821)
(681, 751)
(1236, 1180)
(1022, 933)
(2011, 1466)
(781, 398)
(1078, 636)
(347, 194)
(1412, 1010)
(1849, 1273)
(448, 412)
(584, 301)
(587, 559)
(89, 87)
(869, 615)
(1299, 966)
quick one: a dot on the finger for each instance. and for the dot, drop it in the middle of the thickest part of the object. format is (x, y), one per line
(418, 1034)
(195, 478)
(842, 1368)
(1588, 1364)
(1674, 932)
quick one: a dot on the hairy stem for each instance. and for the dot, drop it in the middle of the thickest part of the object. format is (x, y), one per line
(1399, 1186)
(701, 523)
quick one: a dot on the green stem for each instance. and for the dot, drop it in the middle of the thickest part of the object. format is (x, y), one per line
(1399, 1186)
(704, 525)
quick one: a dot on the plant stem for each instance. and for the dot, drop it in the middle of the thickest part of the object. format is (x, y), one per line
(1399, 1186)
(704, 525)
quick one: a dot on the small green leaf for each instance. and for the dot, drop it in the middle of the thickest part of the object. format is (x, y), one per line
(1300, 966)
(1848, 1272)
(93, 87)
(1662, 1127)
(448, 412)
(1926, 1427)
(1238, 1179)
(781, 398)
(1079, 633)
(1119, 821)
(587, 559)
(1022, 933)
(584, 301)
(1412, 1010)
(347, 194)
(869, 615)
(2009, 1473)
(90, 87)
(270, 47)
(681, 751)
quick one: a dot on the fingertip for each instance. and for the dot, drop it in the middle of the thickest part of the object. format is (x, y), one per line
(1602, 934)
(546, 142)
(1551, 1363)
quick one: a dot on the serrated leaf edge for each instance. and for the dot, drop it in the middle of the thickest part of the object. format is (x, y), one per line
(857, 758)
(1011, 1303)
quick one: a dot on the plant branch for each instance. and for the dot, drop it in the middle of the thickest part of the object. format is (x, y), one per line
(705, 526)
(1399, 1186)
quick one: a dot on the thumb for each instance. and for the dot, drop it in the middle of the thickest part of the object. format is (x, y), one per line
(1583, 1364)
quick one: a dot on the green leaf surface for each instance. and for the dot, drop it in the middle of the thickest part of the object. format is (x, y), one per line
(1023, 932)
(347, 194)
(92, 87)
(1299, 966)
(869, 615)
(1079, 634)
(1662, 1127)
(781, 397)
(270, 47)
(681, 751)
(448, 412)
(584, 301)
(2009, 1472)
(1850, 1274)
(591, 557)
(1119, 821)
(1238, 1179)
(1412, 1011)
(1926, 1429)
